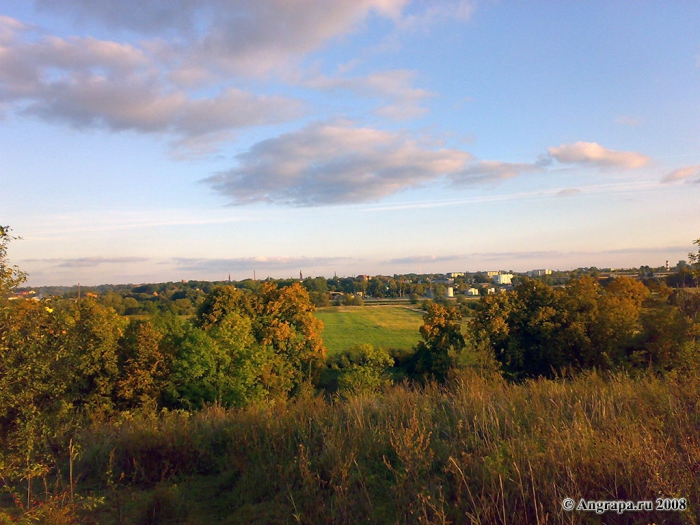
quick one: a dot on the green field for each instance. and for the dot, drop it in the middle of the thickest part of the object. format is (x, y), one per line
(389, 327)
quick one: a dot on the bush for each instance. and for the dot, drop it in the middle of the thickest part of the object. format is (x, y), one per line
(363, 369)
(352, 300)
(319, 299)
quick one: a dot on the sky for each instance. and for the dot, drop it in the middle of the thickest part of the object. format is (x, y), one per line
(160, 140)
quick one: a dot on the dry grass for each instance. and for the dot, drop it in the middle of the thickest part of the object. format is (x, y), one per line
(478, 451)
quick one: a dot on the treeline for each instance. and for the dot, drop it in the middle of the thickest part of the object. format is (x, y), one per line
(183, 298)
(539, 331)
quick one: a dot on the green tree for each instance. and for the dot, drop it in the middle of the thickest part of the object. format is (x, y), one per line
(618, 323)
(316, 284)
(34, 383)
(245, 347)
(522, 328)
(442, 343)
(144, 366)
(352, 300)
(220, 302)
(670, 331)
(114, 300)
(131, 306)
(92, 334)
(538, 331)
(195, 377)
(363, 369)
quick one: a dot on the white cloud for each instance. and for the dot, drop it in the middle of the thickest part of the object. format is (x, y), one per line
(332, 164)
(93, 83)
(591, 153)
(686, 173)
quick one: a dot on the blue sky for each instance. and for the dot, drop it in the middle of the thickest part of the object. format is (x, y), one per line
(145, 141)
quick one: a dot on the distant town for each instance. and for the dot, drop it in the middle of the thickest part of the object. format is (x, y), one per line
(184, 296)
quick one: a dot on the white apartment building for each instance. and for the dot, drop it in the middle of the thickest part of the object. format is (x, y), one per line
(503, 278)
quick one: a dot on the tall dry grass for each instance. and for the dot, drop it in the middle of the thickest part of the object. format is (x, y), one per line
(478, 451)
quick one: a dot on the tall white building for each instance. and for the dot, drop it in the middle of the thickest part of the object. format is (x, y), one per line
(503, 278)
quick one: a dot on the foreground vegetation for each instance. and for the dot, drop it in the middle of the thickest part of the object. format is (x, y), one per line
(238, 415)
(478, 450)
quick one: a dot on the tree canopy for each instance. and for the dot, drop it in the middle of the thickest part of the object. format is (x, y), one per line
(538, 331)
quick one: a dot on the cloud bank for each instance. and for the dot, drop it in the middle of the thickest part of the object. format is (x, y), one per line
(181, 72)
(89, 262)
(89, 83)
(249, 264)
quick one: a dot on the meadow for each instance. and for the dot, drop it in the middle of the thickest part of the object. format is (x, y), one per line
(388, 327)
(478, 450)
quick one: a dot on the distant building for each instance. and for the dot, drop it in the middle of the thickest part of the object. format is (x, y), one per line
(503, 278)
(450, 292)
(473, 292)
(539, 273)
(452, 275)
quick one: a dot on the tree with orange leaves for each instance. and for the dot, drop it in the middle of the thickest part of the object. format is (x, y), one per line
(284, 320)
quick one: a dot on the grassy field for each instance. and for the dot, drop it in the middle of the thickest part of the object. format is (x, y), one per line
(479, 451)
(390, 327)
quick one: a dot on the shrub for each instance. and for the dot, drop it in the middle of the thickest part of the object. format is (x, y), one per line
(363, 369)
